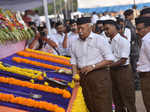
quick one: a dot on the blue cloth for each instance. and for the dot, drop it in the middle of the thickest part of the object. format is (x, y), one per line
(111, 8)
(49, 97)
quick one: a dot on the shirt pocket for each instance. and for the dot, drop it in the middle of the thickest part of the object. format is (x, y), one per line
(92, 52)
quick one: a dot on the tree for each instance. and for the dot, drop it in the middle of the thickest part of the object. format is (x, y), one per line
(60, 5)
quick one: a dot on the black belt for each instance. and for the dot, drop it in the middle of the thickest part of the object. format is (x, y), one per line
(144, 74)
(119, 67)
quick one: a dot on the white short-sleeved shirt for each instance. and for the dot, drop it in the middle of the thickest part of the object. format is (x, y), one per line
(58, 39)
(91, 51)
(127, 33)
(120, 48)
(53, 31)
(94, 18)
(143, 65)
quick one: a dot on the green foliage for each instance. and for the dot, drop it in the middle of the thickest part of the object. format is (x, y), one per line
(59, 4)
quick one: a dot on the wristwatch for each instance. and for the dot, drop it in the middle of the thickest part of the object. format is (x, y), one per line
(93, 65)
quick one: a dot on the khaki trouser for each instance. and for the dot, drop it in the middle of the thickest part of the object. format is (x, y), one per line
(123, 89)
(97, 90)
(145, 88)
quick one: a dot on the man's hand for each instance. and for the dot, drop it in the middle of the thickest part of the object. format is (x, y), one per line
(37, 36)
(76, 79)
(86, 69)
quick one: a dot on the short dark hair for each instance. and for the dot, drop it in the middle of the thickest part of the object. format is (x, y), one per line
(128, 12)
(58, 23)
(94, 12)
(120, 20)
(145, 11)
(145, 20)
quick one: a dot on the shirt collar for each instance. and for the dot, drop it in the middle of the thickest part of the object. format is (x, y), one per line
(89, 37)
(116, 37)
(147, 36)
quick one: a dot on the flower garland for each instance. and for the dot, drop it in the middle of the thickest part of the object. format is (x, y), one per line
(38, 56)
(48, 54)
(79, 103)
(31, 103)
(63, 92)
(23, 71)
(11, 29)
(27, 61)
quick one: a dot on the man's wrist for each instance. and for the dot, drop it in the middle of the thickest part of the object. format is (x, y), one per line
(93, 66)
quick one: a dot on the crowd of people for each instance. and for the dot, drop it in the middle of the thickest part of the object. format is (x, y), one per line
(107, 52)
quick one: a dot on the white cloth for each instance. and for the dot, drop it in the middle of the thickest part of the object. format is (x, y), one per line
(143, 65)
(91, 51)
(53, 31)
(71, 38)
(107, 17)
(37, 20)
(104, 36)
(94, 18)
(120, 48)
(127, 33)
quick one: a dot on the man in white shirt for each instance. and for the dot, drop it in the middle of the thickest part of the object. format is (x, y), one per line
(90, 56)
(94, 18)
(124, 31)
(53, 25)
(58, 39)
(70, 38)
(143, 65)
(122, 78)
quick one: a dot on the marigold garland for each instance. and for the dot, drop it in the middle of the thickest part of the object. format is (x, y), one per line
(31, 103)
(23, 71)
(79, 103)
(38, 56)
(63, 92)
(27, 61)
(45, 53)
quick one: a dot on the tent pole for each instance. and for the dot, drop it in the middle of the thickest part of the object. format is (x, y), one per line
(46, 16)
(54, 2)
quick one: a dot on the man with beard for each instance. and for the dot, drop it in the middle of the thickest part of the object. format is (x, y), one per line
(91, 55)
(143, 65)
(121, 76)
(70, 38)
(100, 29)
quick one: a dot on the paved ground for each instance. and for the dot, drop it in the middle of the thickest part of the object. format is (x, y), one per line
(139, 102)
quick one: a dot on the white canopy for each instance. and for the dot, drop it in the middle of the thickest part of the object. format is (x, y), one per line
(21, 4)
(109, 5)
